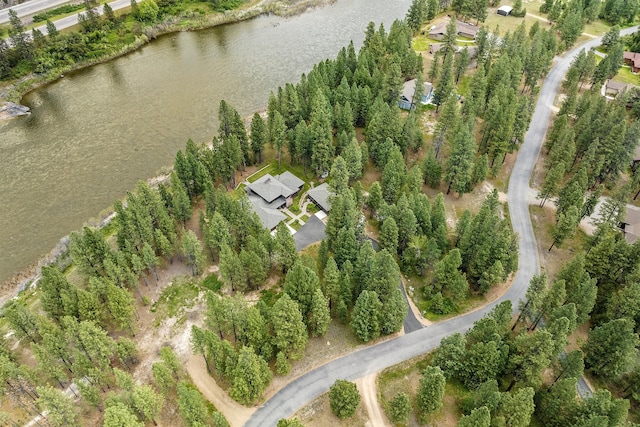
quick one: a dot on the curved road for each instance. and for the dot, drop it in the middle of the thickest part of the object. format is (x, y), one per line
(371, 359)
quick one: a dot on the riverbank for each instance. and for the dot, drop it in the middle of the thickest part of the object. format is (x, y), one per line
(14, 91)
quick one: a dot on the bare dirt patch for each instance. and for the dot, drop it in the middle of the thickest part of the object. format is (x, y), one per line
(318, 414)
(367, 386)
(552, 261)
(235, 413)
(338, 341)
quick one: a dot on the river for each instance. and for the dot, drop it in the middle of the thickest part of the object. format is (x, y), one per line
(96, 132)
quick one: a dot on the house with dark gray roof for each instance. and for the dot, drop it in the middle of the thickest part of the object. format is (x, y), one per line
(320, 196)
(269, 216)
(270, 193)
(277, 191)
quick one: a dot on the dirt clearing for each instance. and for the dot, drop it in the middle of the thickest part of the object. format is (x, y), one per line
(369, 398)
(235, 413)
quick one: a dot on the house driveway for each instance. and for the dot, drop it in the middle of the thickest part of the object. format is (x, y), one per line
(311, 232)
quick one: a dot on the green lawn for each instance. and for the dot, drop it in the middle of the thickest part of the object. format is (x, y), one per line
(626, 76)
(238, 192)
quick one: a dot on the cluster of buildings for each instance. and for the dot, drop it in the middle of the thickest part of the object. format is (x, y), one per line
(269, 195)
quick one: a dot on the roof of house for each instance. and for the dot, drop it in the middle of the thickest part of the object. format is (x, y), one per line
(269, 216)
(321, 194)
(290, 180)
(464, 27)
(461, 27)
(633, 57)
(632, 224)
(617, 87)
(505, 8)
(270, 188)
(409, 88)
(435, 47)
(428, 88)
(441, 28)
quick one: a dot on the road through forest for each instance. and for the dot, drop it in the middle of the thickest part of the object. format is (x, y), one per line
(388, 353)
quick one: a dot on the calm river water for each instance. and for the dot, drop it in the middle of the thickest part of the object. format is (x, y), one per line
(95, 133)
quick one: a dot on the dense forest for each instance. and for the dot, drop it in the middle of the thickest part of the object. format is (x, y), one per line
(262, 301)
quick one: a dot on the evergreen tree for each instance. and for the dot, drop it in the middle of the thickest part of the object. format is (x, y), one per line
(289, 331)
(319, 316)
(251, 377)
(448, 278)
(258, 137)
(611, 348)
(517, 408)
(567, 223)
(430, 391)
(344, 398)
(393, 176)
(479, 417)
(417, 14)
(119, 415)
(445, 84)
(284, 247)
(366, 316)
(459, 165)
(389, 235)
(400, 408)
(59, 408)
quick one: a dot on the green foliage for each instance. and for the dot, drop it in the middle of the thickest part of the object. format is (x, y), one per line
(119, 415)
(366, 316)
(430, 391)
(479, 417)
(61, 10)
(611, 348)
(400, 408)
(192, 405)
(251, 377)
(147, 11)
(344, 398)
(289, 330)
(60, 411)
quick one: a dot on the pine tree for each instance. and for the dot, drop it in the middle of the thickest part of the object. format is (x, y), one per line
(366, 314)
(389, 235)
(319, 315)
(344, 398)
(479, 417)
(258, 137)
(251, 377)
(459, 165)
(430, 391)
(567, 223)
(289, 331)
(551, 183)
(610, 348)
(60, 411)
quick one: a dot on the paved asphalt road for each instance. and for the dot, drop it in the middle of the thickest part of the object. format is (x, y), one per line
(72, 20)
(372, 359)
(30, 8)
